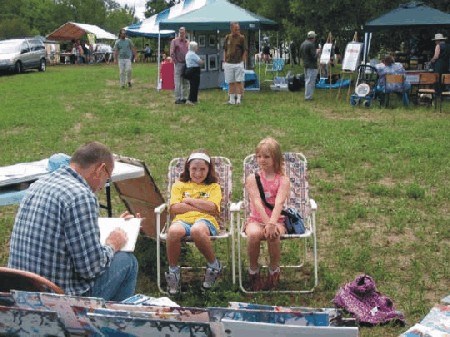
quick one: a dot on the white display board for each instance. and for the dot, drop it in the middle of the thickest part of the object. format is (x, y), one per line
(352, 56)
(325, 57)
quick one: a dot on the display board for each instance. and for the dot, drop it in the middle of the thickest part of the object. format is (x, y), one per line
(352, 56)
(325, 56)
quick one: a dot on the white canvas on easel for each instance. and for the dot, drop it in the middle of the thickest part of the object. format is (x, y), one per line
(352, 56)
(130, 226)
(325, 56)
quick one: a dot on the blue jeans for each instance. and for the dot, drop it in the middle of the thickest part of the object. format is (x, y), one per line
(118, 282)
(310, 82)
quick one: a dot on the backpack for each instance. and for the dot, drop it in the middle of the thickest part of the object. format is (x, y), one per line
(369, 307)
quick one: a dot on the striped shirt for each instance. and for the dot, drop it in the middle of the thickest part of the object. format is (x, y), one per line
(56, 233)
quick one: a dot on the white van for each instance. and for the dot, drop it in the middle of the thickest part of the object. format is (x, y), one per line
(20, 54)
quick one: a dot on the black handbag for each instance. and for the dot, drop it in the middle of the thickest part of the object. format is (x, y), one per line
(292, 218)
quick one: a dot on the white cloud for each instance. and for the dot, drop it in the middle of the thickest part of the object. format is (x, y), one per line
(138, 4)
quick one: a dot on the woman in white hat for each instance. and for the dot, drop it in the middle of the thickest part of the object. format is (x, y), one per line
(441, 58)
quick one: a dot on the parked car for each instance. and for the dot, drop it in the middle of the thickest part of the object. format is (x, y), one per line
(20, 54)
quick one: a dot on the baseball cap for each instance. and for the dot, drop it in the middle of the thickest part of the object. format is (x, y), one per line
(311, 34)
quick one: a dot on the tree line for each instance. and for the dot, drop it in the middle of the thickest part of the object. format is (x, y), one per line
(340, 18)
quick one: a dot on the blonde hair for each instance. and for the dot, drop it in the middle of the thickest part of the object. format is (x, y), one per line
(270, 145)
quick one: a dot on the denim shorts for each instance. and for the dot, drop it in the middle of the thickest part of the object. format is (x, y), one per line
(187, 226)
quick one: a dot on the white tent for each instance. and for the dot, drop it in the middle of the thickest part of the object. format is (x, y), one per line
(74, 31)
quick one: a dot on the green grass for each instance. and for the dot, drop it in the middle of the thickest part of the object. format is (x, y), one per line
(379, 176)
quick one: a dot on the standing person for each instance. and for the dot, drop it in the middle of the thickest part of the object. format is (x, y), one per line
(56, 233)
(147, 53)
(193, 63)
(124, 51)
(194, 204)
(235, 54)
(309, 55)
(263, 223)
(441, 57)
(178, 50)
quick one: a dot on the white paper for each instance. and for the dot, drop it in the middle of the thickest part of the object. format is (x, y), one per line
(352, 56)
(130, 226)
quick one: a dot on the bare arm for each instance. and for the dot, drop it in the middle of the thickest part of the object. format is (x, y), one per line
(281, 197)
(253, 193)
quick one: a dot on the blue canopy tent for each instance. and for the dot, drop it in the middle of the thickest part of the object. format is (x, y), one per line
(213, 15)
(149, 27)
(413, 15)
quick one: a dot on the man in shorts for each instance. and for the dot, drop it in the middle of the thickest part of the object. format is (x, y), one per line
(235, 54)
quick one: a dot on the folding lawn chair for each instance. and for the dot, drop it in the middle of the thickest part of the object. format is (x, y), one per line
(223, 170)
(295, 169)
(276, 67)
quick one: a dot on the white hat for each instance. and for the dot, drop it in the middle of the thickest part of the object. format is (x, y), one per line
(311, 34)
(439, 37)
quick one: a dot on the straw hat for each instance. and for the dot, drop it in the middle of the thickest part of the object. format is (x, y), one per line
(438, 37)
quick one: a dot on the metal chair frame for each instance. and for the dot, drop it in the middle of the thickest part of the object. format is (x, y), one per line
(276, 67)
(295, 166)
(394, 79)
(223, 170)
(428, 83)
(445, 89)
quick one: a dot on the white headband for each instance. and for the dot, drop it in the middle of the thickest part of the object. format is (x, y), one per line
(199, 155)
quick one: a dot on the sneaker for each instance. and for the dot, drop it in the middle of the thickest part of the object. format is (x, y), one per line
(255, 281)
(129, 84)
(179, 101)
(173, 282)
(211, 276)
(184, 100)
(189, 103)
(272, 280)
(238, 101)
(231, 102)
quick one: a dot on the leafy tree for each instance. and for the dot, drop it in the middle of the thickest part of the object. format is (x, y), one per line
(156, 6)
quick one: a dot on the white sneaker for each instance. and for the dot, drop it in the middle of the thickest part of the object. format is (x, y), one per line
(238, 101)
(173, 282)
(231, 102)
(211, 276)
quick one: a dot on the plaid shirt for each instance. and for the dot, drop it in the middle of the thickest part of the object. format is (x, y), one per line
(56, 232)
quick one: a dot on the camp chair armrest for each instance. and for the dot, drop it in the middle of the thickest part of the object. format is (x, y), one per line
(160, 208)
(313, 204)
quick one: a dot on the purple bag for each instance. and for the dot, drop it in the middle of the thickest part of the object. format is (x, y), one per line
(369, 307)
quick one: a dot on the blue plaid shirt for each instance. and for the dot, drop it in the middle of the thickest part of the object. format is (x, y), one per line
(56, 232)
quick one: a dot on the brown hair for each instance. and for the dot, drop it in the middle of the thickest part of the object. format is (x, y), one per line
(270, 145)
(210, 178)
(92, 153)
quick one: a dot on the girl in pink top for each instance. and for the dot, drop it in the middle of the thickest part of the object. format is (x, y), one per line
(263, 223)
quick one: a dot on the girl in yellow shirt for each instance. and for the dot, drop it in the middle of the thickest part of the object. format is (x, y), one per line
(195, 204)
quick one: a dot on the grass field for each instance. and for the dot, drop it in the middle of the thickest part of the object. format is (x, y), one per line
(379, 176)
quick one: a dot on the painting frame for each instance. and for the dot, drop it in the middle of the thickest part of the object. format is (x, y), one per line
(203, 67)
(202, 41)
(213, 62)
(212, 41)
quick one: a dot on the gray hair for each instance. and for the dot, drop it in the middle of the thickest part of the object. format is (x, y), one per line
(92, 153)
(193, 45)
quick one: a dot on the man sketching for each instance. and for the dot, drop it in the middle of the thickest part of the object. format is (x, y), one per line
(56, 233)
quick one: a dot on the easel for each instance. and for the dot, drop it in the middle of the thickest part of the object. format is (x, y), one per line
(325, 61)
(347, 73)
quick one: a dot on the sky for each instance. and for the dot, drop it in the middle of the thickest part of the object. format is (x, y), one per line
(138, 4)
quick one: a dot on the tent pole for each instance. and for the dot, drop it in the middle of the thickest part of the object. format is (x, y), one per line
(259, 60)
(158, 86)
